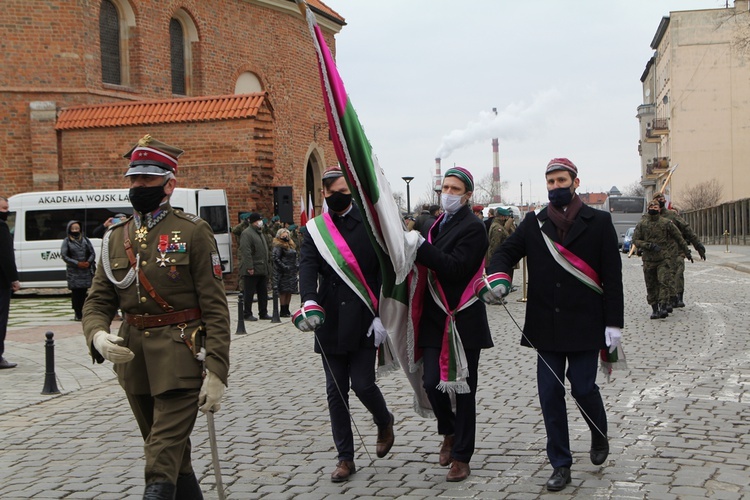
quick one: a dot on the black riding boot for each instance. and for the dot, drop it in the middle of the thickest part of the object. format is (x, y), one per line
(680, 302)
(284, 313)
(668, 305)
(161, 490)
(188, 487)
(655, 314)
(663, 313)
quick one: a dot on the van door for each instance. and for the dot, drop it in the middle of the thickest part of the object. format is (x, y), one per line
(213, 208)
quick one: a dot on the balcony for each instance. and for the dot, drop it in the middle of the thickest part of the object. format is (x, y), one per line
(660, 126)
(651, 137)
(657, 166)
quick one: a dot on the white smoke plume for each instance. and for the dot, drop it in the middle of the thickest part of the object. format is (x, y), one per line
(516, 121)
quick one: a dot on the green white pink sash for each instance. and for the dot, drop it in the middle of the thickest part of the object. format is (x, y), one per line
(572, 263)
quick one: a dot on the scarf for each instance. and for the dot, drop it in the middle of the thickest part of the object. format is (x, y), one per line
(336, 252)
(564, 219)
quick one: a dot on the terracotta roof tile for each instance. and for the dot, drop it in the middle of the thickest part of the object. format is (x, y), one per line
(195, 109)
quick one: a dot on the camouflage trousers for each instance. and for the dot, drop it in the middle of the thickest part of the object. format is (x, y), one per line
(678, 268)
(659, 278)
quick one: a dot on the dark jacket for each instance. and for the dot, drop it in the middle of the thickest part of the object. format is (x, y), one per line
(285, 266)
(347, 317)
(424, 222)
(8, 271)
(254, 252)
(456, 252)
(73, 251)
(563, 314)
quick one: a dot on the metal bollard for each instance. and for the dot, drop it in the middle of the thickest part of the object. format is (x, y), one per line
(523, 284)
(240, 315)
(50, 381)
(275, 317)
(726, 240)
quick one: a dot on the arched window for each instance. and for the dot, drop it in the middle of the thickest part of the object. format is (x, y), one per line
(247, 83)
(177, 51)
(109, 39)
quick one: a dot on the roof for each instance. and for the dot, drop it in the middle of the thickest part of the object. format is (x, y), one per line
(593, 198)
(320, 8)
(183, 110)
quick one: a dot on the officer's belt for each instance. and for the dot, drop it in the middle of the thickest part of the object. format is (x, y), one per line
(143, 321)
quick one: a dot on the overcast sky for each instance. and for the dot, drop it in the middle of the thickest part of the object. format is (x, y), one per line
(424, 76)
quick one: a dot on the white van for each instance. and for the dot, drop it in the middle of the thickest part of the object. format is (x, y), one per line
(516, 211)
(38, 221)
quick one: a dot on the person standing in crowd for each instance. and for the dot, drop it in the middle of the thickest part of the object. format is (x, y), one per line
(172, 351)
(244, 224)
(99, 230)
(497, 233)
(453, 254)
(426, 219)
(678, 267)
(8, 278)
(659, 239)
(574, 309)
(78, 254)
(490, 218)
(285, 269)
(295, 235)
(479, 212)
(255, 265)
(338, 250)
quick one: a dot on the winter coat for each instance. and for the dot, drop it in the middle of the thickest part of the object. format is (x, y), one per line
(285, 266)
(73, 251)
(254, 252)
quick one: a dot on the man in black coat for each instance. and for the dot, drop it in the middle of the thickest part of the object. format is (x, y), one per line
(8, 278)
(426, 219)
(569, 318)
(345, 339)
(455, 251)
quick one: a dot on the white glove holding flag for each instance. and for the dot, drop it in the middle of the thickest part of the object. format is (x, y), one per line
(108, 346)
(380, 332)
(612, 337)
(212, 390)
(309, 321)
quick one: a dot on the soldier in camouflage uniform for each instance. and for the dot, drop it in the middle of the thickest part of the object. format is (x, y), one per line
(656, 236)
(162, 268)
(497, 232)
(679, 262)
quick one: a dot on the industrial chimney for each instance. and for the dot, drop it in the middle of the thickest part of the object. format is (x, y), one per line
(495, 168)
(437, 180)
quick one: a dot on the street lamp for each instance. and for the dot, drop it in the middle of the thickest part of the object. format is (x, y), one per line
(407, 180)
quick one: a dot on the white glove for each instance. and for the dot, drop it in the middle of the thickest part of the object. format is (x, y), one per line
(309, 323)
(107, 345)
(612, 337)
(211, 393)
(380, 332)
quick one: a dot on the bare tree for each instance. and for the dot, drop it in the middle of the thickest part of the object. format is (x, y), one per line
(485, 190)
(702, 195)
(400, 200)
(634, 189)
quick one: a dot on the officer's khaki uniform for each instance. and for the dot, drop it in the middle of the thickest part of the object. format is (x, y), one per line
(163, 380)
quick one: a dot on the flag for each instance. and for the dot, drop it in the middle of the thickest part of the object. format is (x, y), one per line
(396, 248)
(310, 207)
(302, 211)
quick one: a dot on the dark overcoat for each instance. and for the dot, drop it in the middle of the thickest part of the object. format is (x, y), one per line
(562, 313)
(285, 266)
(73, 251)
(347, 317)
(456, 252)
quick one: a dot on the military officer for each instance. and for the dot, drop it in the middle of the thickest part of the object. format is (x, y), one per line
(162, 268)
(678, 261)
(655, 236)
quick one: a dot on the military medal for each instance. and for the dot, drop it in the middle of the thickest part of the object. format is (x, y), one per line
(173, 274)
(163, 246)
(140, 233)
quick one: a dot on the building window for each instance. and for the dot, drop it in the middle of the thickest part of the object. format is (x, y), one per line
(109, 39)
(177, 51)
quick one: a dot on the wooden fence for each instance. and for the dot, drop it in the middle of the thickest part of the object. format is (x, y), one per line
(710, 224)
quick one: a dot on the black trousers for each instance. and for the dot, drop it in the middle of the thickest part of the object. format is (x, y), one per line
(5, 294)
(581, 373)
(77, 298)
(256, 284)
(463, 423)
(357, 367)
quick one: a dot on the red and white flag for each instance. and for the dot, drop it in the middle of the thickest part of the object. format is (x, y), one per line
(302, 211)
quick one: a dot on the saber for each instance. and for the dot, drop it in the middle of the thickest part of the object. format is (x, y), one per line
(215, 454)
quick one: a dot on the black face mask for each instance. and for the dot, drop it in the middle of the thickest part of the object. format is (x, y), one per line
(560, 197)
(4, 215)
(146, 199)
(662, 203)
(653, 211)
(338, 202)
(75, 234)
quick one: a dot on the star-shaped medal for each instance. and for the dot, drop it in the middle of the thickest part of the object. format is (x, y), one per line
(163, 260)
(140, 233)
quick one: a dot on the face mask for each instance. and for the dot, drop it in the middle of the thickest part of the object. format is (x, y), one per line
(451, 203)
(560, 197)
(338, 202)
(653, 211)
(146, 199)
(285, 238)
(260, 224)
(662, 203)
(4, 215)
(75, 234)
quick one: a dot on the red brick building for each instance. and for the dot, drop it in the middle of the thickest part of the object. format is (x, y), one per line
(232, 82)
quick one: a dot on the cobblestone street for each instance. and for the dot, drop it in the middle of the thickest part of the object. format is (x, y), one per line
(679, 419)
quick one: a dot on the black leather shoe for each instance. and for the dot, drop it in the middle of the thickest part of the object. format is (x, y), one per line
(4, 363)
(559, 479)
(188, 487)
(159, 491)
(264, 316)
(385, 439)
(599, 448)
(344, 469)
(251, 318)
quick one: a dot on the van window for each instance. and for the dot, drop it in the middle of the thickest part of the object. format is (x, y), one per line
(51, 224)
(216, 216)
(11, 222)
